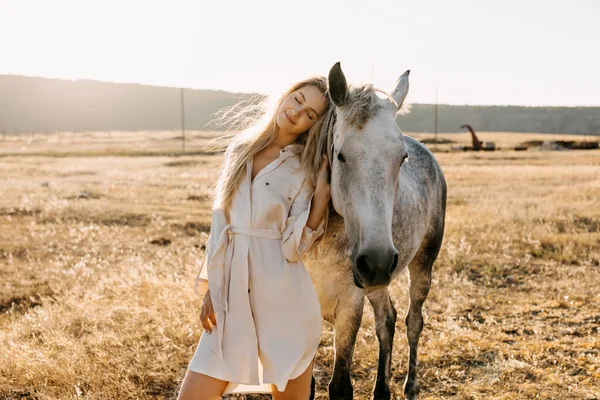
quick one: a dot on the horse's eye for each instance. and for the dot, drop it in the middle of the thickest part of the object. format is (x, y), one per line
(341, 158)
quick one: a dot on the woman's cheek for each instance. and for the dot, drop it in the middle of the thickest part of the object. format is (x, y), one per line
(306, 125)
(300, 128)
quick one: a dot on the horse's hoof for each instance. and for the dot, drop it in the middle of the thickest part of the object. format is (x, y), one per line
(341, 391)
(411, 390)
(382, 394)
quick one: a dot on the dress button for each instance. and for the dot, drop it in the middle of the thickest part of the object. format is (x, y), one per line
(267, 183)
(248, 290)
(289, 199)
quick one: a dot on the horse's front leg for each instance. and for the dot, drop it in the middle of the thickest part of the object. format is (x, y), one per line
(420, 282)
(348, 315)
(385, 326)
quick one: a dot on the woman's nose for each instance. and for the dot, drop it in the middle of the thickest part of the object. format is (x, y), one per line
(295, 113)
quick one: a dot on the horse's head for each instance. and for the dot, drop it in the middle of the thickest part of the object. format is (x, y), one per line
(366, 149)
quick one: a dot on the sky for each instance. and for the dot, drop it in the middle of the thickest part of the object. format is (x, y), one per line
(490, 52)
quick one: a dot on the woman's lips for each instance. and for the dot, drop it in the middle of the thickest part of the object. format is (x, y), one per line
(289, 119)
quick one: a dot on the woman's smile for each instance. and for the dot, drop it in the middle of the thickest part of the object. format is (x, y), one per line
(289, 119)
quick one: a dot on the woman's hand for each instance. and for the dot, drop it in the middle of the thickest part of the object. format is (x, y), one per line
(207, 313)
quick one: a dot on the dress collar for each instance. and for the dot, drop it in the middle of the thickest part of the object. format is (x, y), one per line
(293, 149)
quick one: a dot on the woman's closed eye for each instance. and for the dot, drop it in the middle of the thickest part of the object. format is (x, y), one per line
(310, 112)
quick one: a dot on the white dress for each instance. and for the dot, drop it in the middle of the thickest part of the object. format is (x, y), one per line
(267, 310)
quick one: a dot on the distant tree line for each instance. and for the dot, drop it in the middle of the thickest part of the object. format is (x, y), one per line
(565, 120)
(30, 104)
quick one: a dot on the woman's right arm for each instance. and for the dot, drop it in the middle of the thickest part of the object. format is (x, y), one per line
(207, 312)
(218, 222)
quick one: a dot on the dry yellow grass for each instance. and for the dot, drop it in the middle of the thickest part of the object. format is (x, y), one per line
(98, 257)
(103, 142)
(169, 142)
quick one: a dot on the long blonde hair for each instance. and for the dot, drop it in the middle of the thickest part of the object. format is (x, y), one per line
(258, 123)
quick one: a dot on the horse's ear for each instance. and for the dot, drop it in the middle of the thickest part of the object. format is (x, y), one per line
(338, 88)
(401, 90)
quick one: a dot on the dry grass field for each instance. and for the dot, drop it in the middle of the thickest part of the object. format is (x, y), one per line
(170, 142)
(100, 143)
(98, 255)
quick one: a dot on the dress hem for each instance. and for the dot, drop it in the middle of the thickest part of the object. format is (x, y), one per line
(303, 369)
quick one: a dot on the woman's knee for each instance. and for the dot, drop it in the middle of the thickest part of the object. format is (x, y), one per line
(198, 386)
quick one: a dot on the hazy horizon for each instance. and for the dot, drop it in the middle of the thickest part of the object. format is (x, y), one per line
(530, 53)
(244, 93)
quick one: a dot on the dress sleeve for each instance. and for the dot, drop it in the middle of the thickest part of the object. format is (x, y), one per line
(218, 222)
(297, 237)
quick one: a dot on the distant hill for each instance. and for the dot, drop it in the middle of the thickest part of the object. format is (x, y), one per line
(31, 104)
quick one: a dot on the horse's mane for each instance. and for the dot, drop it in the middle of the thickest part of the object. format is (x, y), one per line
(362, 104)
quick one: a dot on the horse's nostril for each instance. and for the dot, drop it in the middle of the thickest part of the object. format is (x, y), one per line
(394, 263)
(361, 265)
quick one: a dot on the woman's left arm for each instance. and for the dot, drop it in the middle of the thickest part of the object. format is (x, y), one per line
(306, 222)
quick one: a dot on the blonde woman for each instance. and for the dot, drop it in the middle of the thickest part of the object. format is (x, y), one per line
(260, 313)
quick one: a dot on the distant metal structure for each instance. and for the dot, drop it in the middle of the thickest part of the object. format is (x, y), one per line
(182, 122)
(478, 145)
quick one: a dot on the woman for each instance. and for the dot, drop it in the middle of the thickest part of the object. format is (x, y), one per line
(260, 312)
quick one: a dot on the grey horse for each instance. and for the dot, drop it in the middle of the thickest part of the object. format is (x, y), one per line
(387, 214)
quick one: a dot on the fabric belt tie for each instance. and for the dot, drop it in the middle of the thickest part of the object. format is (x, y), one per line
(219, 270)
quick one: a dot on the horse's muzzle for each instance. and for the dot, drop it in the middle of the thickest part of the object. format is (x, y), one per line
(375, 267)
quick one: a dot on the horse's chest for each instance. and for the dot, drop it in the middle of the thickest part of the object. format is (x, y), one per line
(331, 270)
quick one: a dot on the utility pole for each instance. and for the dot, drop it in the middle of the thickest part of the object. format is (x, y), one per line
(182, 122)
(435, 118)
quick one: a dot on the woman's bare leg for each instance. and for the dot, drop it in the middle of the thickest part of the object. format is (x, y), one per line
(197, 386)
(296, 389)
